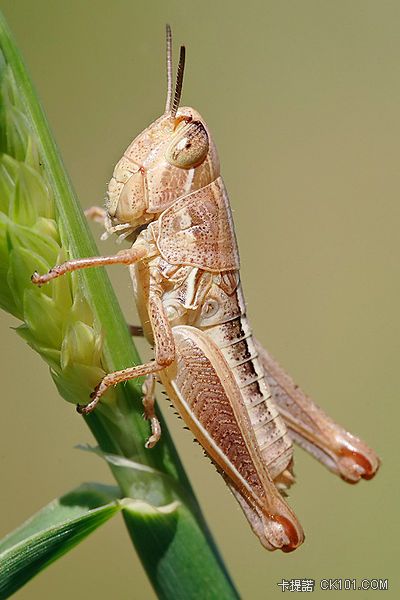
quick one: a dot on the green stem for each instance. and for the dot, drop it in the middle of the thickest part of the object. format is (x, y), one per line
(176, 548)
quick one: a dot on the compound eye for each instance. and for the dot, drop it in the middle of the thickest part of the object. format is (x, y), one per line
(189, 146)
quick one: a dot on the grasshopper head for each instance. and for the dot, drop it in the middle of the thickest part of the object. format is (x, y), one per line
(173, 157)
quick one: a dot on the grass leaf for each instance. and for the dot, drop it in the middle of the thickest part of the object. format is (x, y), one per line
(52, 532)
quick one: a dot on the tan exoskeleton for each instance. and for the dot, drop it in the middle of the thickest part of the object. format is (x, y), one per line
(167, 196)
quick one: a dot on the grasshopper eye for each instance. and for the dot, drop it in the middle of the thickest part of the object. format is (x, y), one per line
(189, 146)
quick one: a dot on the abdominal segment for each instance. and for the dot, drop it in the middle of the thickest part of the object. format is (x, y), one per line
(236, 344)
(228, 327)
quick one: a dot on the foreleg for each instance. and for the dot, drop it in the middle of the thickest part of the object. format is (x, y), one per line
(124, 257)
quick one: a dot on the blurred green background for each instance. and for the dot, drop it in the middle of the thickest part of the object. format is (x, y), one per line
(303, 100)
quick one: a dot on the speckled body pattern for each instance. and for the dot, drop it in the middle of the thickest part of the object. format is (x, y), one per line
(216, 374)
(167, 197)
(193, 266)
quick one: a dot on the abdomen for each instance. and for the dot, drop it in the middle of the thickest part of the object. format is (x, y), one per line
(234, 339)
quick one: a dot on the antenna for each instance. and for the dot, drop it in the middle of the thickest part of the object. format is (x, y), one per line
(168, 102)
(179, 81)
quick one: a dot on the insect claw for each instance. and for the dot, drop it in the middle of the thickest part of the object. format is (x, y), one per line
(85, 409)
(35, 278)
(151, 442)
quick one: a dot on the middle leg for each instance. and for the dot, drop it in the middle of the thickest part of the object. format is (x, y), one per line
(113, 379)
(149, 401)
(164, 348)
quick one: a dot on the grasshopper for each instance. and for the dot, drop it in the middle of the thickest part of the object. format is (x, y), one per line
(167, 197)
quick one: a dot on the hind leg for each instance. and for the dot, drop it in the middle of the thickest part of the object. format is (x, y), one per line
(311, 428)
